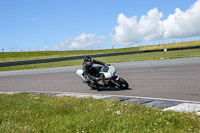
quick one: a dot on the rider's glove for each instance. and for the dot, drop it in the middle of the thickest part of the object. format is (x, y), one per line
(107, 65)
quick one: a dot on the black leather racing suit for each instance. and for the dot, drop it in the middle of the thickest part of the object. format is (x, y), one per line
(89, 71)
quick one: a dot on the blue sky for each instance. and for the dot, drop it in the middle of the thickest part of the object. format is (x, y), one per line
(95, 24)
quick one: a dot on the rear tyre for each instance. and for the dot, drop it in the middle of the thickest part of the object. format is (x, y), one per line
(122, 83)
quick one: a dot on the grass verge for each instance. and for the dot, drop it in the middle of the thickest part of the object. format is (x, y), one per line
(22, 113)
(17, 56)
(113, 59)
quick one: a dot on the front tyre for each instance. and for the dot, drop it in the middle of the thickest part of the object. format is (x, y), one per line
(122, 83)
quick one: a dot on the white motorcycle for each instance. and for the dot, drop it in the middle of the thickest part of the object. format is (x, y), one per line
(109, 78)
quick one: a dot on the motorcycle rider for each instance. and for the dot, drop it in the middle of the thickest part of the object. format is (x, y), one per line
(89, 71)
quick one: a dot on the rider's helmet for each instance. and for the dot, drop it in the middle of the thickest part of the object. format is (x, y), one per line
(88, 61)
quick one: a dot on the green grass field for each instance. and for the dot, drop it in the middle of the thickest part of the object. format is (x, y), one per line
(17, 56)
(113, 59)
(27, 113)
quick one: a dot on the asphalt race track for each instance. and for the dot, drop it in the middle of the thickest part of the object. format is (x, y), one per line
(171, 79)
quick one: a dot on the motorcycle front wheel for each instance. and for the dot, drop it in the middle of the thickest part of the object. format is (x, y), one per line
(121, 83)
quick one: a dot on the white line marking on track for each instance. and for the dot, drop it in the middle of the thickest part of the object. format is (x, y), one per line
(91, 94)
(184, 107)
(152, 98)
(198, 113)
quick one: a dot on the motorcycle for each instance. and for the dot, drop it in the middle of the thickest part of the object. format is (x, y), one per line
(108, 76)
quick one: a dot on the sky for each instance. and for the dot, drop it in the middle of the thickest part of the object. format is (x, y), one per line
(38, 25)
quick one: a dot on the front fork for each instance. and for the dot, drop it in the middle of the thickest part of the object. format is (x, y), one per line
(115, 79)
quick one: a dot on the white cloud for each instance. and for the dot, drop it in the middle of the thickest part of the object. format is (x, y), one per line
(86, 40)
(63, 44)
(150, 27)
(81, 41)
(183, 24)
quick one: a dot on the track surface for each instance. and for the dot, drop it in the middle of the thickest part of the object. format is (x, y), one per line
(171, 79)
